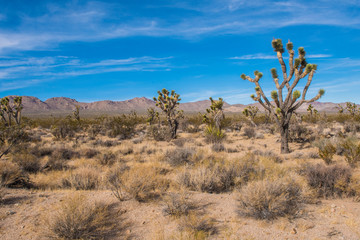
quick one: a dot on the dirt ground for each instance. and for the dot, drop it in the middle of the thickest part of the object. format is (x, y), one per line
(23, 213)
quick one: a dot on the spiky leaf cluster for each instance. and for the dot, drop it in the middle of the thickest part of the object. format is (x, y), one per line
(277, 45)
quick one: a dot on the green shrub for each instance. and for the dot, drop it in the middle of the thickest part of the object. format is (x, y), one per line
(326, 150)
(214, 135)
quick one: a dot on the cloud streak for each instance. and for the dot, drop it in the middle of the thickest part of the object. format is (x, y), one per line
(96, 21)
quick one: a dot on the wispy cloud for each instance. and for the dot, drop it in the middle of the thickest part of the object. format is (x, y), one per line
(254, 57)
(25, 72)
(96, 21)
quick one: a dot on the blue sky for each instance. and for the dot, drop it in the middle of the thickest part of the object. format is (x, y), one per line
(117, 50)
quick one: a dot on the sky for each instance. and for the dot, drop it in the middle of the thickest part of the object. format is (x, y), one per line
(117, 50)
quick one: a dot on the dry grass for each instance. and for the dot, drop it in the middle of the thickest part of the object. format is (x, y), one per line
(84, 178)
(77, 218)
(269, 199)
(178, 204)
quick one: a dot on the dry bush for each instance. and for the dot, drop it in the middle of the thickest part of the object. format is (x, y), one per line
(351, 147)
(158, 133)
(142, 183)
(326, 150)
(299, 133)
(65, 153)
(268, 200)
(270, 155)
(179, 156)
(126, 150)
(123, 127)
(41, 151)
(217, 178)
(178, 204)
(249, 132)
(77, 218)
(50, 180)
(218, 147)
(199, 227)
(12, 176)
(84, 178)
(106, 159)
(89, 153)
(328, 181)
(107, 143)
(27, 162)
(114, 179)
(179, 142)
(2, 194)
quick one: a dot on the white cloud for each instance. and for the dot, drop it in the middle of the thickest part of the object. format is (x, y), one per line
(96, 21)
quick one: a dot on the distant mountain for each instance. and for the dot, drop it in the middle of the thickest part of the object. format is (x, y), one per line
(33, 105)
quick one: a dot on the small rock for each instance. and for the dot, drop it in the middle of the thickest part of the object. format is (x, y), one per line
(294, 231)
(10, 212)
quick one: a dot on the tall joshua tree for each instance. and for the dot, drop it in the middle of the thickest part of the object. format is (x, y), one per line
(285, 104)
(168, 103)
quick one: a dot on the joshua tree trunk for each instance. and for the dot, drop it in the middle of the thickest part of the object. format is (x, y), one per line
(284, 133)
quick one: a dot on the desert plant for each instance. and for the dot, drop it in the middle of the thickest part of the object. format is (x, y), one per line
(152, 116)
(352, 109)
(178, 204)
(351, 152)
(9, 111)
(122, 126)
(159, 133)
(107, 158)
(218, 147)
(250, 112)
(284, 108)
(11, 175)
(213, 134)
(215, 114)
(84, 178)
(143, 183)
(28, 162)
(268, 199)
(179, 156)
(199, 227)
(114, 179)
(168, 103)
(76, 113)
(328, 181)
(326, 150)
(77, 218)
(249, 132)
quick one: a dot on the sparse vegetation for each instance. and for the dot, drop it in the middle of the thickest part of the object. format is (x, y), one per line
(268, 199)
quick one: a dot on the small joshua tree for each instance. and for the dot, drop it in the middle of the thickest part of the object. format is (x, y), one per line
(76, 113)
(352, 108)
(250, 112)
(152, 116)
(168, 103)
(284, 106)
(340, 109)
(215, 113)
(214, 118)
(10, 134)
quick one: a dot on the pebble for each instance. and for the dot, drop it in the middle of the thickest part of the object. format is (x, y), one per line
(10, 212)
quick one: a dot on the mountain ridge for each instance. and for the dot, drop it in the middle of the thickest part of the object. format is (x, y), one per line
(33, 105)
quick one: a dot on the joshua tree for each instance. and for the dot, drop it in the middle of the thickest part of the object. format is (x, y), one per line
(250, 112)
(340, 109)
(8, 112)
(76, 113)
(351, 108)
(215, 112)
(168, 103)
(284, 106)
(152, 116)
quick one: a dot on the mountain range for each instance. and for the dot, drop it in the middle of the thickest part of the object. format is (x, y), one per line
(64, 105)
